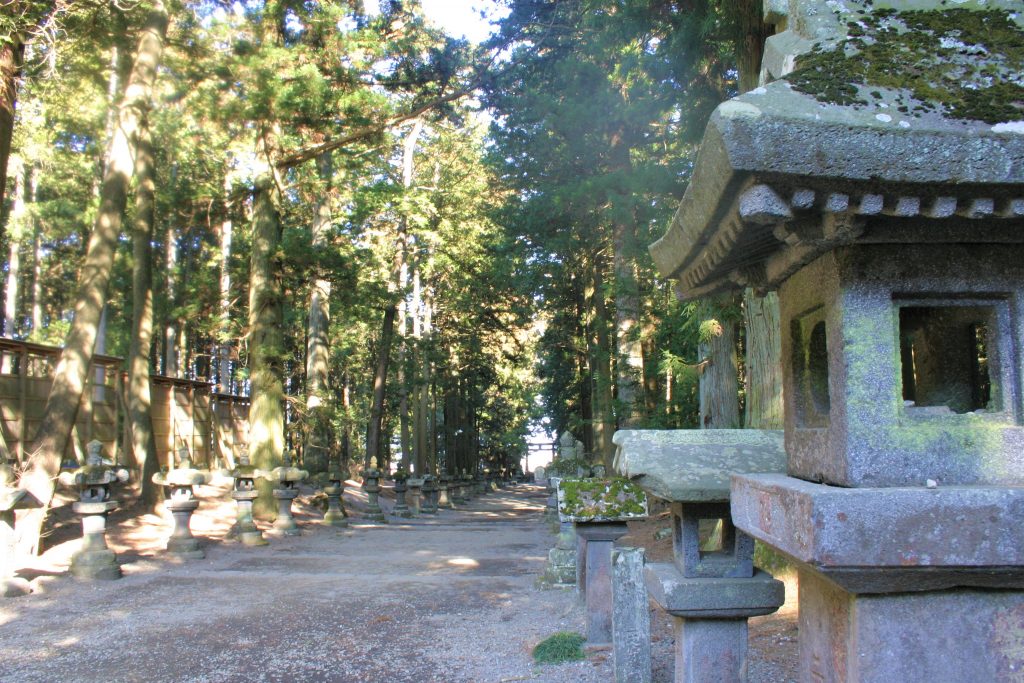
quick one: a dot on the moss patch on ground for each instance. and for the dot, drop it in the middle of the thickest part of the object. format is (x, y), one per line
(564, 646)
(966, 64)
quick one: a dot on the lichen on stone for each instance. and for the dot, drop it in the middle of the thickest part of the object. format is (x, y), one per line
(966, 64)
(601, 499)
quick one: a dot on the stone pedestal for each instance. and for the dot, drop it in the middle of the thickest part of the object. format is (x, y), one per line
(335, 515)
(879, 591)
(415, 496)
(600, 537)
(94, 560)
(401, 508)
(561, 568)
(245, 529)
(444, 501)
(182, 543)
(430, 505)
(631, 619)
(285, 524)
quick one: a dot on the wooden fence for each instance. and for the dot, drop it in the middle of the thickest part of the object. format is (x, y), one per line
(185, 412)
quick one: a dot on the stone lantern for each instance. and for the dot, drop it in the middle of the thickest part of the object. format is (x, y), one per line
(286, 488)
(444, 500)
(430, 495)
(401, 479)
(371, 484)
(95, 560)
(711, 587)
(180, 483)
(888, 214)
(244, 492)
(335, 515)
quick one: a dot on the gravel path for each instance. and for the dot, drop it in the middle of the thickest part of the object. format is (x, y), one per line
(449, 599)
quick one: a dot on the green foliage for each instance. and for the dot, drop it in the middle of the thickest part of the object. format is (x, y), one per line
(564, 646)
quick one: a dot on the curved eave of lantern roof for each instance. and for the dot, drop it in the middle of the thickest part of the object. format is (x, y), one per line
(782, 178)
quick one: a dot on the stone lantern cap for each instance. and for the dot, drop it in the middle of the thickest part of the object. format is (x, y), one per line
(843, 149)
(183, 475)
(12, 497)
(97, 471)
(285, 474)
(600, 500)
(694, 465)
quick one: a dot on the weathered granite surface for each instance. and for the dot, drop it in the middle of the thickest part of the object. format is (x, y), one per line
(887, 540)
(713, 598)
(693, 465)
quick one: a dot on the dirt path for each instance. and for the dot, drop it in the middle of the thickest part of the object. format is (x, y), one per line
(448, 599)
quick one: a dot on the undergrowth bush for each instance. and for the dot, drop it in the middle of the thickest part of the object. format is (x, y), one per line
(564, 646)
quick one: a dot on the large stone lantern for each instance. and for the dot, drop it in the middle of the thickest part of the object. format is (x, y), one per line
(886, 207)
(95, 560)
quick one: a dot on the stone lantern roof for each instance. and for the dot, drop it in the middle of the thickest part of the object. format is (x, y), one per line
(882, 115)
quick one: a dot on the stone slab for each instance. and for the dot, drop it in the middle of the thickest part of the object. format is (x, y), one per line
(693, 465)
(711, 650)
(713, 598)
(896, 539)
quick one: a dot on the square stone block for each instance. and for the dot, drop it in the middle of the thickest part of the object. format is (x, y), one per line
(903, 365)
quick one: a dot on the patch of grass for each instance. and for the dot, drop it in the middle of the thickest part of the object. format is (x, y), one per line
(564, 646)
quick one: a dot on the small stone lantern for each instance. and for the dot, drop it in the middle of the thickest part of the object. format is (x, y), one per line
(711, 587)
(444, 491)
(430, 503)
(244, 492)
(371, 484)
(335, 515)
(599, 509)
(415, 495)
(95, 560)
(401, 479)
(182, 502)
(286, 488)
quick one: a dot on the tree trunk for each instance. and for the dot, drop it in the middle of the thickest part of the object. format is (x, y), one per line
(763, 362)
(318, 438)
(37, 258)
(170, 324)
(224, 357)
(266, 345)
(72, 369)
(17, 229)
(140, 413)
(604, 409)
(11, 55)
(719, 380)
(380, 378)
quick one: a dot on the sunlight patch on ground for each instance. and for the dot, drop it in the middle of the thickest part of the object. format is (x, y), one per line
(465, 562)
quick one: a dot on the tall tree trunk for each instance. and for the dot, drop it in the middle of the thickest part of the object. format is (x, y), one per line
(380, 378)
(266, 344)
(17, 229)
(37, 257)
(763, 361)
(318, 439)
(72, 369)
(584, 318)
(139, 400)
(171, 324)
(402, 376)
(224, 349)
(604, 410)
(11, 55)
(719, 379)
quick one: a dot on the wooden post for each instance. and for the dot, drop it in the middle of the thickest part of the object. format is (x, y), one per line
(22, 403)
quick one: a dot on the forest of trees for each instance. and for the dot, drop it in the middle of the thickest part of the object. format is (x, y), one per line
(402, 244)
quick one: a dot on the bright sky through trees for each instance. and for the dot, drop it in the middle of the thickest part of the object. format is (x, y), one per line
(460, 18)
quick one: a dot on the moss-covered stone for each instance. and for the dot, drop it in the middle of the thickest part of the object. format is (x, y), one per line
(967, 64)
(597, 500)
